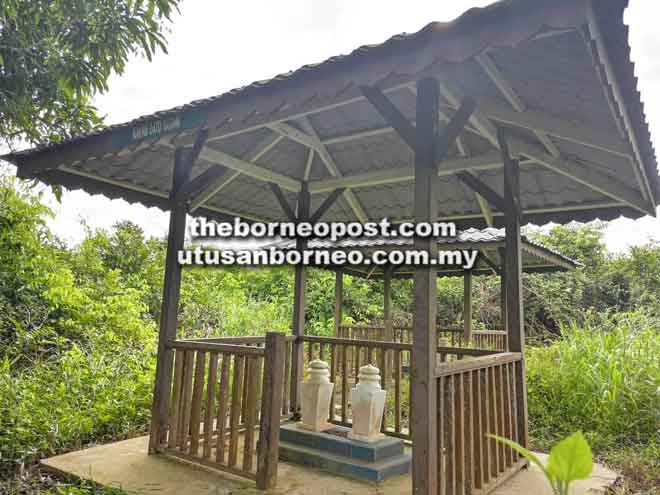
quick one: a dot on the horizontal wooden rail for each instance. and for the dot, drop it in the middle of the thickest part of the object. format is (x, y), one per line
(476, 363)
(192, 345)
(247, 340)
(452, 336)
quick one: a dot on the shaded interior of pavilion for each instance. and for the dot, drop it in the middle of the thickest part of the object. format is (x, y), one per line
(489, 245)
(525, 111)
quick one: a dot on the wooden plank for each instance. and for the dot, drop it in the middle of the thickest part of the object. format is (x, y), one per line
(397, 390)
(184, 420)
(196, 406)
(269, 431)
(506, 402)
(234, 420)
(492, 423)
(333, 379)
(205, 462)
(450, 434)
(499, 407)
(478, 362)
(345, 370)
(442, 448)
(339, 296)
(468, 425)
(175, 406)
(169, 309)
(478, 430)
(467, 307)
(253, 381)
(209, 411)
(485, 422)
(382, 364)
(286, 401)
(245, 390)
(223, 401)
(459, 445)
(514, 404)
(191, 345)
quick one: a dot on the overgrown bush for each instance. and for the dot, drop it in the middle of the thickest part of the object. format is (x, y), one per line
(602, 378)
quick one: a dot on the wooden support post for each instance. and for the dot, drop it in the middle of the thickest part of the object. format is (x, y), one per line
(169, 308)
(387, 304)
(339, 299)
(513, 283)
(423, 382)
(298, 327)
(271, 406)
(503, 291)
(467, 307)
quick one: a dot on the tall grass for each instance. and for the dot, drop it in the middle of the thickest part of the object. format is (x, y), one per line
(602, 378)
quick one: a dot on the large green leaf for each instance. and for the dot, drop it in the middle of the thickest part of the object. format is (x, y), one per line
(571, 459)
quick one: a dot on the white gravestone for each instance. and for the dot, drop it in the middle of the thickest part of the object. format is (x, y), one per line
(316, 393)
(368, 403)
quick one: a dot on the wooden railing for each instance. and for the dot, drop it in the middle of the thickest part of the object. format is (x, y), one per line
(453, 336)
(346, 356)
(490, 339)
(225, 394)
(477, 397)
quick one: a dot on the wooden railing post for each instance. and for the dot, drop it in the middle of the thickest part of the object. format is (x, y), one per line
(339, 296)
(271, 407)
(467, 307)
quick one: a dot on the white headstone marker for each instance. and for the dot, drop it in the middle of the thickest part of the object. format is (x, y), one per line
(316, 393)
(368, 403)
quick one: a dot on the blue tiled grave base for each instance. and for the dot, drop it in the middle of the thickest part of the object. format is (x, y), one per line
(333, 451)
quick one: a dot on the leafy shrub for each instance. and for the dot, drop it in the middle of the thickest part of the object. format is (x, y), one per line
(602, 378)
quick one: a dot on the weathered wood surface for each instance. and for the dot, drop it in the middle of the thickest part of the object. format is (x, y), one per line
(476, 398)
(222, 397)
(169, 307)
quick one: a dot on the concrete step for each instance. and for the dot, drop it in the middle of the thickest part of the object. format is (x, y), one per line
(335, 442)
(372, 471)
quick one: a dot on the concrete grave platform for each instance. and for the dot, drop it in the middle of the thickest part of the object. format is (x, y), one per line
(332, 451)
(126, 465)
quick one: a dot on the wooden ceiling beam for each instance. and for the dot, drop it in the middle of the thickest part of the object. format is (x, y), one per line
(284, 203)
(487, 161)
(326, 205)
(310, 138)
(482, 189)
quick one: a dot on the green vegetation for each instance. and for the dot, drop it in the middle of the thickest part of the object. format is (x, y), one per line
(570, 460)
(55, 55)
(78, 330)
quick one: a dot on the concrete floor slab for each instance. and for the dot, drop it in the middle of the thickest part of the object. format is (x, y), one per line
(126, 465)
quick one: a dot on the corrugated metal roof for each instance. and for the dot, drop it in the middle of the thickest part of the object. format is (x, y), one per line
(535, 256)
(566, 60)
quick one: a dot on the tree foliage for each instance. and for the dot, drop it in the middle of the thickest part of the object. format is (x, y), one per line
(55, 54)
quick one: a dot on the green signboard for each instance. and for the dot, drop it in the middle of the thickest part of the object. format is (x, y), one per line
(159, 127)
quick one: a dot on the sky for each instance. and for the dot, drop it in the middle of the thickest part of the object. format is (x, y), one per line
(217, 46)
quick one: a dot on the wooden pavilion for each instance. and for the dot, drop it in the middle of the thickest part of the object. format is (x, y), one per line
(523, 111)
